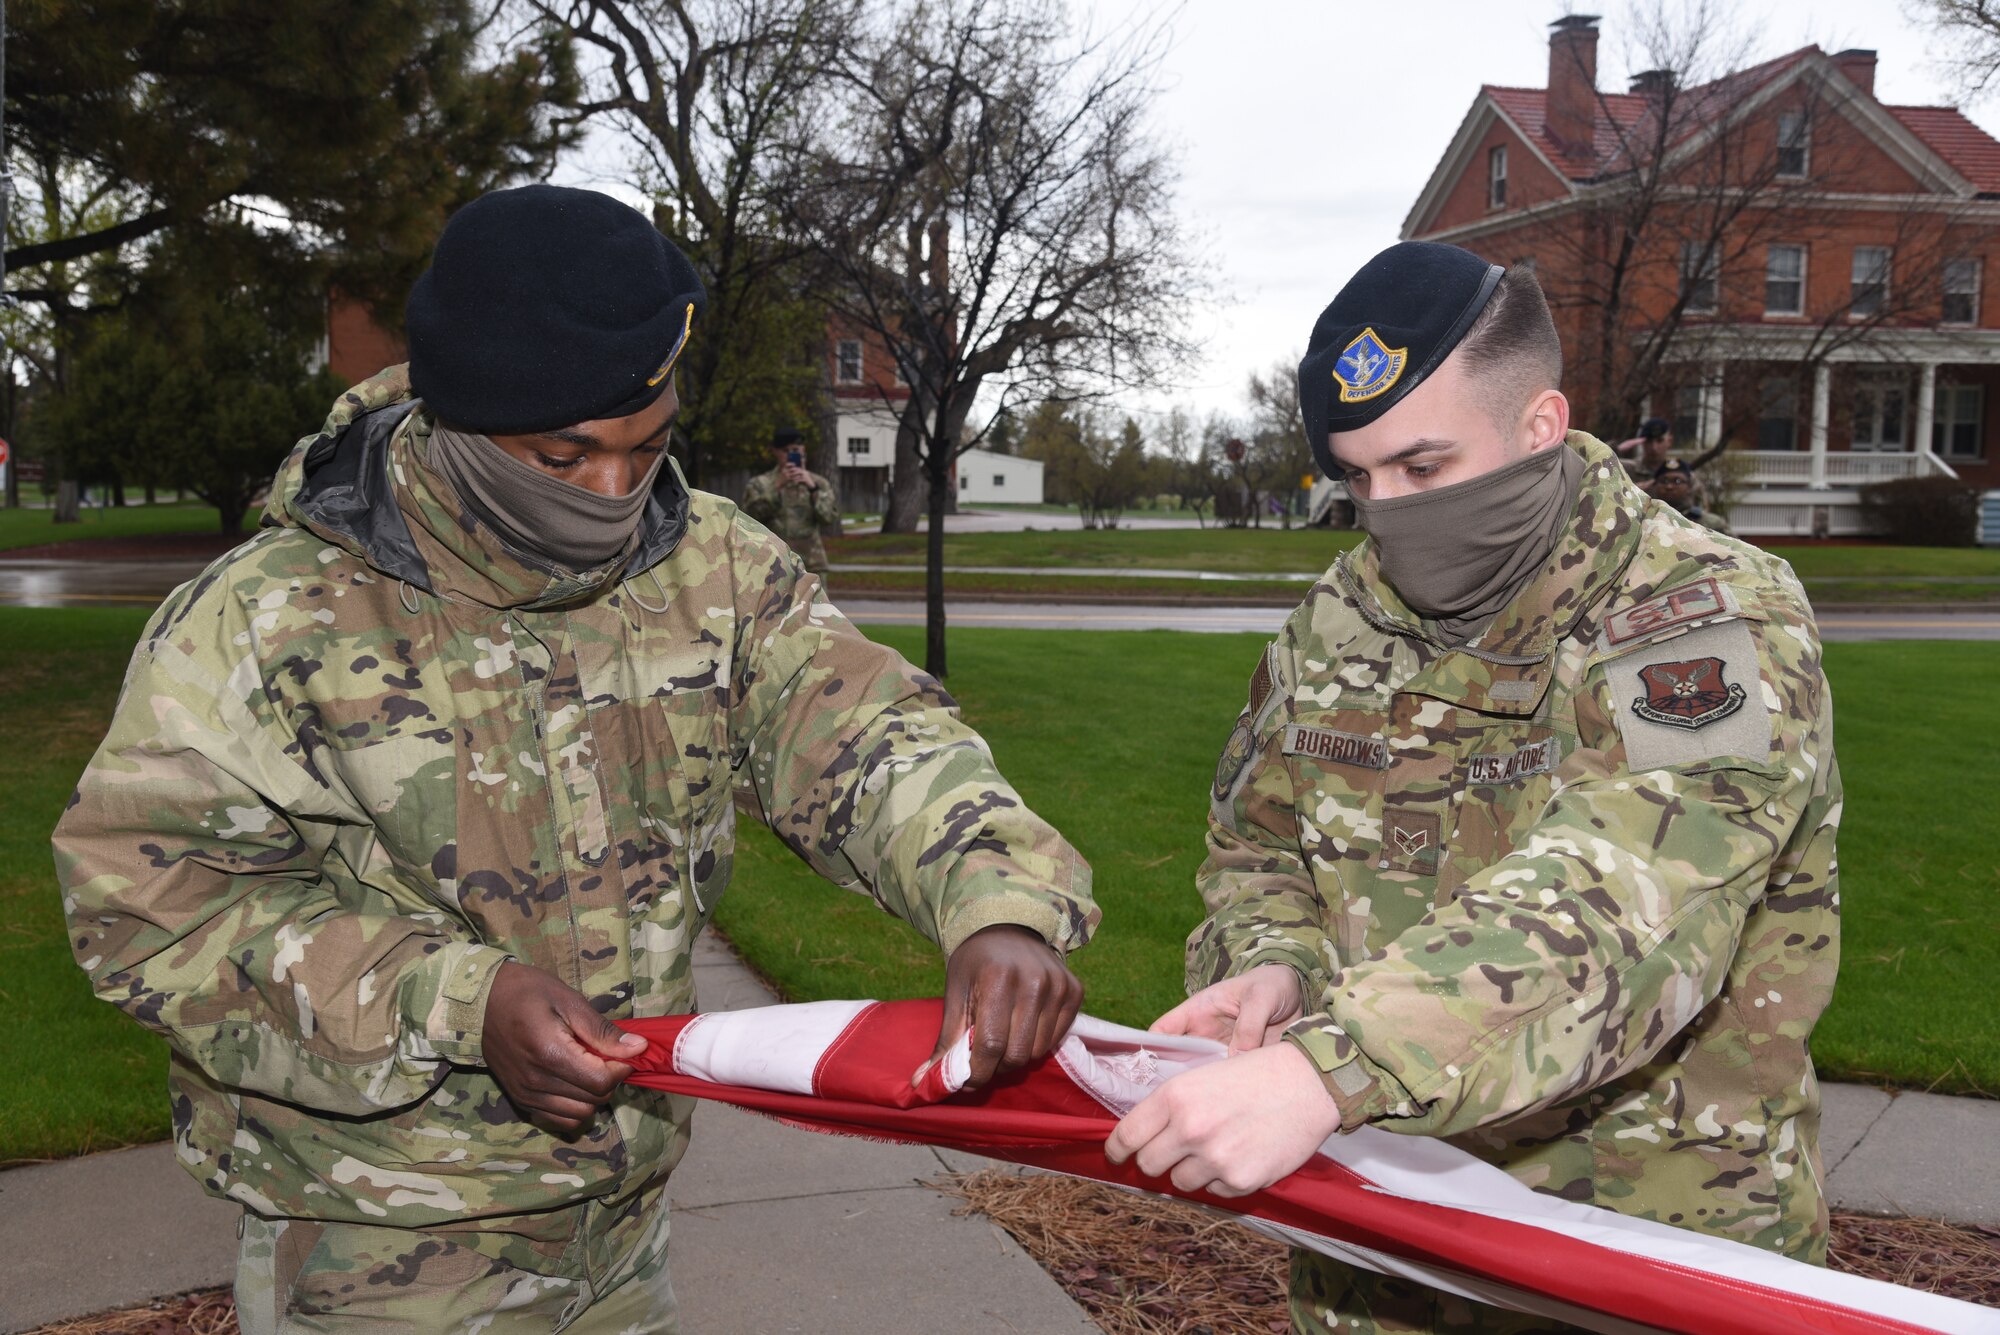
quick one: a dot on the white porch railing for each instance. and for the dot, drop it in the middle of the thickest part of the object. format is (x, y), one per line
(1843, 469)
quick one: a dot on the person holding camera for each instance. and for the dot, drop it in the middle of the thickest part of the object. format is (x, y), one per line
(792, 501)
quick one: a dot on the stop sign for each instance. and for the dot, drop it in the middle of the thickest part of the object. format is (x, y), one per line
(3, 451)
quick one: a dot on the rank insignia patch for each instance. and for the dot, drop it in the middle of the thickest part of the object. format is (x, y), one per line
(1688, 695)
(1368, 367)
(1410, 840)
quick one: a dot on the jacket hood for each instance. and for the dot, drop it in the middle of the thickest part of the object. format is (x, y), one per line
(361, 483)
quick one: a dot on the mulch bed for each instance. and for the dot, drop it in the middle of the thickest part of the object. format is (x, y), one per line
(142, 547)
(1144, 1266)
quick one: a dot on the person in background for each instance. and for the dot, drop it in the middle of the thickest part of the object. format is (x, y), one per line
(1644, 453)
(792, 501)
(1673, 483)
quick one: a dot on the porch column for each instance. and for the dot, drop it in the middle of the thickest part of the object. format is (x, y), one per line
(1822, 396)
(1709, 429)
(1926, 406)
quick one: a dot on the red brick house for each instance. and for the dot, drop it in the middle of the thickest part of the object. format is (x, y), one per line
(1773, 257)
(868, 394)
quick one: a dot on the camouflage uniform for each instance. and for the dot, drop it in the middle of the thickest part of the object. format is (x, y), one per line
(1565, 896)
(794, 512)
(368, 756)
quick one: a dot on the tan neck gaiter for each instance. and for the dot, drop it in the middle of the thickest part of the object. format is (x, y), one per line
(534, 513)
(1459, 554)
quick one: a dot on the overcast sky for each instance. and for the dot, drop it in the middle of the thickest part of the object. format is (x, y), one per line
(1309, 126)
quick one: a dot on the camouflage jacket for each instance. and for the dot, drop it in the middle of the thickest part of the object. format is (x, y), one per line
(368, 756)
(794, 513)
(1565, 895)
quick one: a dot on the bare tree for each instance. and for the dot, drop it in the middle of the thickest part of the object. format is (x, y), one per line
(1279, 439)
(992, 208)
(1968, 40)
(711, 96)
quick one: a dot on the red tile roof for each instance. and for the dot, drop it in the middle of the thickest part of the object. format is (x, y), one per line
(1971, 151)
(1974, 153)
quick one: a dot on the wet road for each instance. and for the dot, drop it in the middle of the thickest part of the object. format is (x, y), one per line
(144, 584)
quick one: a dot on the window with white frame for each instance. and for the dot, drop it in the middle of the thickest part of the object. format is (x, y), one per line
(1868, 282)
(1961, 291)
(1778, 413)
(1955, 429)
(1496, 177)
(1794, 138)
(859, 445)
(847, 358)
(1701, 270)
(1785, 280)
(1880, 407)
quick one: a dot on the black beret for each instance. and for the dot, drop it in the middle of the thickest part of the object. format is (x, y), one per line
(544, 307)
(784, 436)
(1680, 466)
(1391, 326)
(1654, 427)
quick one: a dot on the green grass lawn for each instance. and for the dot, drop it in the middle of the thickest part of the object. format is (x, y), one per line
(32, 528)
(1120, 758)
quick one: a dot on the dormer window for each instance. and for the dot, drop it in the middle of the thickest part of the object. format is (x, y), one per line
(1496, 177)
(1794, 138)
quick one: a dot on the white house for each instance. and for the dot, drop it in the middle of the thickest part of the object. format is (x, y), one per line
(866, 433)
(986, 478)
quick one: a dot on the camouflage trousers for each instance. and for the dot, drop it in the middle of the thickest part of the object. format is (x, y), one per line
(297, 1275)
(1329, 1297)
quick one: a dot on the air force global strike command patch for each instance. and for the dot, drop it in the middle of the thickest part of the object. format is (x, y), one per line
(1688, 694)
(1367, 367)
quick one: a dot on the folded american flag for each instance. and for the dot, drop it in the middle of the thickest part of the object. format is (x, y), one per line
(1402, 1205)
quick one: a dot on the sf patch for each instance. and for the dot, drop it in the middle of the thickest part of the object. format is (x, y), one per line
(1691, 693)
(1696, 696)
(1368, 367)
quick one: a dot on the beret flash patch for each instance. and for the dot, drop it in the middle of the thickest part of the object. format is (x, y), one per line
(1367, 367)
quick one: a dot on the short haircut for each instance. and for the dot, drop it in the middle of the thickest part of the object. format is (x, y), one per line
(1513, 346)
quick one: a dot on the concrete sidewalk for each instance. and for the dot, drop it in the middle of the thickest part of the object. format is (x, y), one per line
(864, 1248)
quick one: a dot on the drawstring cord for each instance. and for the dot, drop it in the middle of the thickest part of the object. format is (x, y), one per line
(633, 594)
(408, 596)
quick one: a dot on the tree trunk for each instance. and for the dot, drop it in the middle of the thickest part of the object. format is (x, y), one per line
(69, 502)
(152, 494)
(117, 488)
(232, 510)
(906, 487)
(938, 467)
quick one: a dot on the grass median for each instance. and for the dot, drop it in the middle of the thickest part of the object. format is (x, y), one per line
(1119, 756)
(32, 528)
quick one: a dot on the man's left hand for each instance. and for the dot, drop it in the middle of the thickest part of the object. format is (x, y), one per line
(1231, 1127)
(1014, 992)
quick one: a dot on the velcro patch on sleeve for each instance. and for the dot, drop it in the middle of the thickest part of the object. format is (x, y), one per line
(1695, 601)
(1339, 748)
(1699, 696)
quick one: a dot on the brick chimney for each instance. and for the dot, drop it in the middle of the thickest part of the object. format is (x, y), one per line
(1859, 67)
(1572, 104)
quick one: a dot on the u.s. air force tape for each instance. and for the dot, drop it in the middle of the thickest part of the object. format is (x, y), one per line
(1341, 748)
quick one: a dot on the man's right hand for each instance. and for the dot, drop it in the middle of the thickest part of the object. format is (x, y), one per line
(558, 1059)
(1246, 1012)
